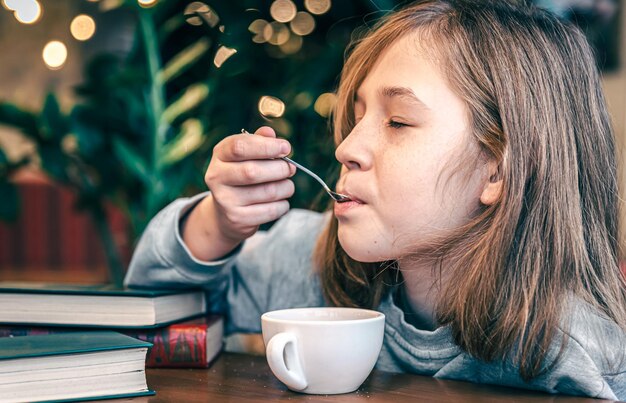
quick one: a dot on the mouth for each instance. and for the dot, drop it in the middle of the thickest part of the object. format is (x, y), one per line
(348, 208)
(352, 197)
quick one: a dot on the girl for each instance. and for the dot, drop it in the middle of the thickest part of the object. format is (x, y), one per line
(476, 147)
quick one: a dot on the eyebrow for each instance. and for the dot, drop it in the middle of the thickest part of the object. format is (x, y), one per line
(404, 93)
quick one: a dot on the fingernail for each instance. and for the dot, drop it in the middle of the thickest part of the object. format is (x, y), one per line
(285, 147)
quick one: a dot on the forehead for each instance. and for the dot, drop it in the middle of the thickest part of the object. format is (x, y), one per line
(410, 61)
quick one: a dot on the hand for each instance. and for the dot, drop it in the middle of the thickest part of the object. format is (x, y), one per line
(249, 185)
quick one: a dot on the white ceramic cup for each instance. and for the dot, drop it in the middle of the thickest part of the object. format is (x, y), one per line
(322, 350)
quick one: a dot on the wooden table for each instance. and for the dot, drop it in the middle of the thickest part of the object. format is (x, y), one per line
(247, 378)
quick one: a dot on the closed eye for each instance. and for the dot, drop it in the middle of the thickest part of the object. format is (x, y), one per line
(394, 124)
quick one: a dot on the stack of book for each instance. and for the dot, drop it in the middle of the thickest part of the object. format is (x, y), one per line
(49, 327)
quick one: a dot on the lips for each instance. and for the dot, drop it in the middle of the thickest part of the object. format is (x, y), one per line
(351, 196)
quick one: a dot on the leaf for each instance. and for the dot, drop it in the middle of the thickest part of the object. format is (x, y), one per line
(90, 139)
(3, 161)
(11, 115)
(188, 141)
(132, 161)
(53, 161)
(189, 100)
(53, 123)
(183, 60)
(9, 202)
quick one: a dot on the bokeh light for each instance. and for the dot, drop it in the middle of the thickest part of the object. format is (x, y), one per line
(293, 45)
(325, 104)
(271, 107)
(197, 12)
(69, 144)
(147, 3)
(54, 55)
(11, 4)
(283, 10)
(302, 24)
(223, 54)
(83, 27)
(303, 100)
(257, 27)
(27, 11)
(276, 33)
(317, 7)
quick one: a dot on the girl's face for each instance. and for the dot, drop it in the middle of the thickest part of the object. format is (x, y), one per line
(411, 134)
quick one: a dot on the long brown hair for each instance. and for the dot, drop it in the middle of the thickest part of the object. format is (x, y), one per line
(536, 108)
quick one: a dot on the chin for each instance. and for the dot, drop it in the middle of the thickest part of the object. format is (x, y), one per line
(358, 250)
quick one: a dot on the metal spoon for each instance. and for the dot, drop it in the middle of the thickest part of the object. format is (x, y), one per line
(338, 197)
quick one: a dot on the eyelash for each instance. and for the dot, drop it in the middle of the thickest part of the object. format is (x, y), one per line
(395, 125)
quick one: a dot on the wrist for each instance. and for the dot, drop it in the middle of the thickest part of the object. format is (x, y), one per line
(201, 232)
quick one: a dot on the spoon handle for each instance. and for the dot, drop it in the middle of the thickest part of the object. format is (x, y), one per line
(336, 196)
(313, 175)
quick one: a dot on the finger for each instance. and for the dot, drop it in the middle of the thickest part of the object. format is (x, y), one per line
(265, 193)
(265, 131)
(256, 172)
(243, 147)
(258, 214)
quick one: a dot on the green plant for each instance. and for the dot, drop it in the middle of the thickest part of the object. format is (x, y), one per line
(142, 132)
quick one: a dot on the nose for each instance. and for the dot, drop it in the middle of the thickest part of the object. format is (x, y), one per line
(354, 152)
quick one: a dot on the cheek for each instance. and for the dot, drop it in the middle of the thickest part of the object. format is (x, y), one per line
(422, 204)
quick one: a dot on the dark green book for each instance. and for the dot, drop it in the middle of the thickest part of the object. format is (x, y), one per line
(29, 303)
(72, 366)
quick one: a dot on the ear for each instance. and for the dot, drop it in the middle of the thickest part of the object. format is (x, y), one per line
(493, 188)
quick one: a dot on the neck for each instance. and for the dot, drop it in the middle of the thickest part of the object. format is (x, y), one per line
(422, 286)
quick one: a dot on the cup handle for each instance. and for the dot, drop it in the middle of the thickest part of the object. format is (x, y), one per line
(282, 347)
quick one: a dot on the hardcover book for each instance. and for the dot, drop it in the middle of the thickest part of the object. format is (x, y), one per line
(100, 305)
(72, 366)
(189, 344)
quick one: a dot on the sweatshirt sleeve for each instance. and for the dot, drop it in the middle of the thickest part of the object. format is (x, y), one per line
(270, 270)
(617, 383)
(161, 258)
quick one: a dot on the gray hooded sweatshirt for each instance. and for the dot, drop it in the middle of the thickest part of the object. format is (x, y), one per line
(273, 270)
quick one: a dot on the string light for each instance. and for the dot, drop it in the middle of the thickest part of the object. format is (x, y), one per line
(257, 27)
(302, 24)
(197, 11)
(146, 3)
(83, 27)
(26, 11)
(325, 104)
(271, 107)
(69, 144)
(11, 5)
(303, 100)
(293, 45)
(317, 7)
(54, 55)
(223, 54)
(283, 10)
(276, 33)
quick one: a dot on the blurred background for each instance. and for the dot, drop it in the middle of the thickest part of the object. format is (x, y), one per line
(109, 109)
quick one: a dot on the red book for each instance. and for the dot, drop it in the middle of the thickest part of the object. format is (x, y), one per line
(33, 218)
(189, 344)
(72, 232)
(7, 244)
